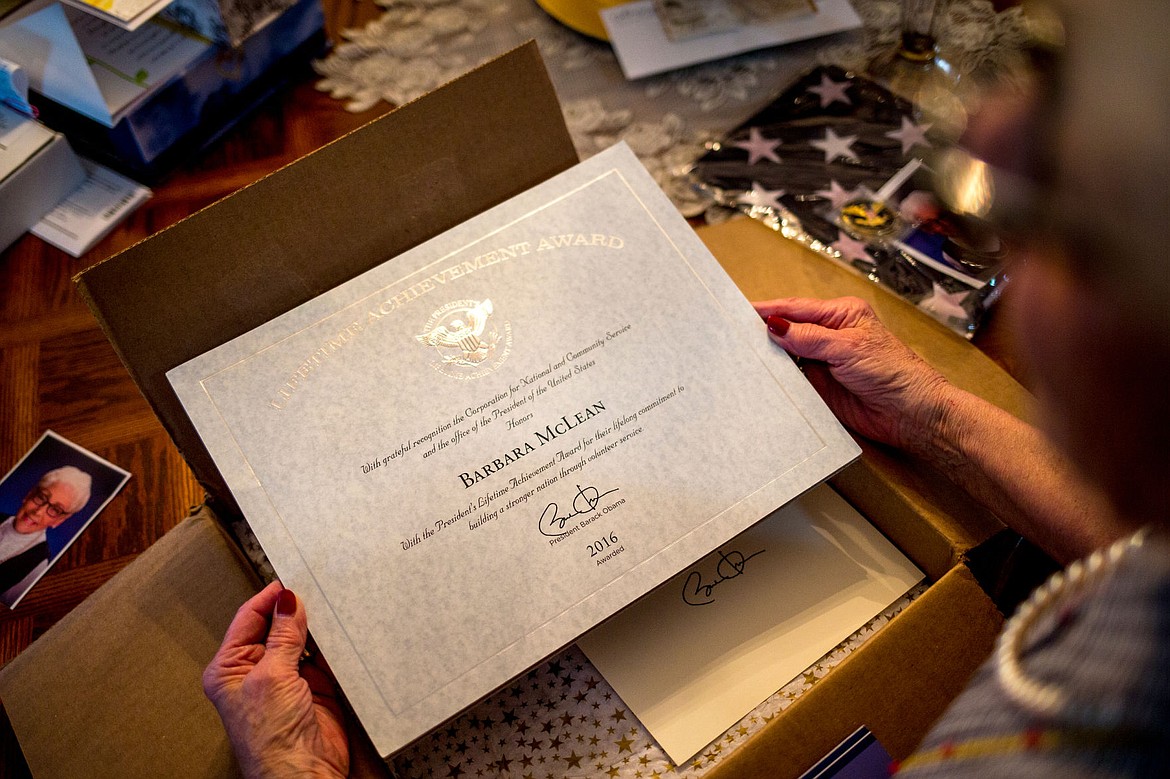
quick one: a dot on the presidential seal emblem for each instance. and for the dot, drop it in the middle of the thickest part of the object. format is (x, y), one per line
(868, 218)
(468, 340)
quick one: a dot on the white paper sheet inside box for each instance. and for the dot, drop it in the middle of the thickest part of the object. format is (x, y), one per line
(694, 657)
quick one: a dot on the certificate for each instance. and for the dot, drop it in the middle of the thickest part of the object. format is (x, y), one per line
(468, 456)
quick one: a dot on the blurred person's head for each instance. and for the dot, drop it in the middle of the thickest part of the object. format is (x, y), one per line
(1093, 296)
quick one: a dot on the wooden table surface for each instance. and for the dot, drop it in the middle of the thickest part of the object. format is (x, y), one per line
(58, 371)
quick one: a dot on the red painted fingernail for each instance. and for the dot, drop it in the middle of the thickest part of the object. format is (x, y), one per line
(286, 603)
(777, 325)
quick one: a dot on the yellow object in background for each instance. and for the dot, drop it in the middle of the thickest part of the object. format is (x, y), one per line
(584, 16)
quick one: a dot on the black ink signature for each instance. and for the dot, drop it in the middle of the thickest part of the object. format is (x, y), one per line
(731, 565)
(584, 501)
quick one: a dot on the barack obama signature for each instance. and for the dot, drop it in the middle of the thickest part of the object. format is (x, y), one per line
(731, 565)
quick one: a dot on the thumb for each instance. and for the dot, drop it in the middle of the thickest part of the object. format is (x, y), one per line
(289, 631)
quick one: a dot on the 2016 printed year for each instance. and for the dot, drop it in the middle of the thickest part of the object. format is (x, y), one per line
(605, 548)
(603, 543)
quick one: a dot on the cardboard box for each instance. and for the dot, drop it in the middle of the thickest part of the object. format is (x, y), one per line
(396, 182)
(100, 694)
(86, 699)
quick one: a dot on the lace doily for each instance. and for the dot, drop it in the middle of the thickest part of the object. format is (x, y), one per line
(417, 45)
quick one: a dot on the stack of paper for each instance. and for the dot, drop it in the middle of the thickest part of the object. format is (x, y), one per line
(20, 138)
(37, 166)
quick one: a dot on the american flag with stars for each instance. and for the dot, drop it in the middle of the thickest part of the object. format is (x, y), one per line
(835, 138)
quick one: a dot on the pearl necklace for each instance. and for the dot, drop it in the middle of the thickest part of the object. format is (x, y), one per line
(1049, 700)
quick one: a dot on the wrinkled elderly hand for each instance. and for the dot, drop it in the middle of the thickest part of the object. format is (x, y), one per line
(872, 381)
(281, 715)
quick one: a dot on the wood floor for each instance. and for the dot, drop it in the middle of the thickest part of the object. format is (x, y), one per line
(58, 372)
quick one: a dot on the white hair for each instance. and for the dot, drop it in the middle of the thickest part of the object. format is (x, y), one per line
(75, 478)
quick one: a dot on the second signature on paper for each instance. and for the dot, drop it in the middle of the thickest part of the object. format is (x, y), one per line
(697, 592)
